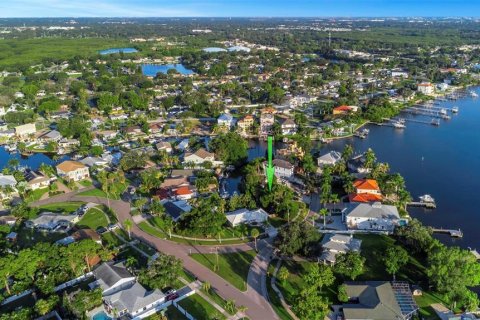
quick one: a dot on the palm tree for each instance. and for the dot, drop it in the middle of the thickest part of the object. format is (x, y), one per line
(206, 286)
(128, 225)
(255, 233)
(324, 213)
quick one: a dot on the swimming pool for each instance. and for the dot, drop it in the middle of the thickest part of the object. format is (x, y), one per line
(101, 316)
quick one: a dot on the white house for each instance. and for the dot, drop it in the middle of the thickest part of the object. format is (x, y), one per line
(246, 216)
(122, 294)
(73, 170)
(36, 180)
(7, 182)
(199, 157)
(283, 168)
(334, 244)
(53, 222)
(226, 120)
(25, 130)
(329, 159)
(366, 216)
(288, 127)
(426, 88)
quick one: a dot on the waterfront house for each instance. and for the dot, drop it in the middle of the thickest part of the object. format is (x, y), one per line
(328, 159)
(73, 170)
(51, 136)
(283, 169)
(25, 130)
(378, 300)
(426, 88)
(226, 120)
(334, 244)
(366, 190)
(340, 110)
(7, 187)
(356, 165)
(267, 120)
(371, 216)
(246, 216)
(288, 127)
(36, 180)
(245, 124)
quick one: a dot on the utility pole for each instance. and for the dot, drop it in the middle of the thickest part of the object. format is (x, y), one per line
(329, 39)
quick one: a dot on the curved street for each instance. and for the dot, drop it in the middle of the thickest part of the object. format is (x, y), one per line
(255, 299)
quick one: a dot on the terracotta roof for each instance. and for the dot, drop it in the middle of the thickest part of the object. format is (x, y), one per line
(68, 166)
(185, 190)
(343, 108)
(366, 184)
(364, 197)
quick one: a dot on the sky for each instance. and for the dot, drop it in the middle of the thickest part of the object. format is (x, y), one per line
(239, 8)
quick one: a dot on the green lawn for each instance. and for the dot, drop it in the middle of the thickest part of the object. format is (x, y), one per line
(213, 295)
(94, 193)
(86, 183)
(110, 240)
(373, 249)
(36, 194)
(63, 207)
(199, 308)
(93, 219)
(151, 227)
(424, 301)
(233, 267)
(146, 248)
(172, 313)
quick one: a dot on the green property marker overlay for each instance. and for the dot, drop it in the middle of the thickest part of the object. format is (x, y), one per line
(270, 167)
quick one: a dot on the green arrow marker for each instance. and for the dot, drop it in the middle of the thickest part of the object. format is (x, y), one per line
(270, 167)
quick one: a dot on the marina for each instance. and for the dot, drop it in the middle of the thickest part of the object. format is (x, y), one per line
(434, 156)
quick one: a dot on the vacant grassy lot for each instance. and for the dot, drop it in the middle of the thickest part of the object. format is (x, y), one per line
(233, 267)
(93, 219)
(199, 308)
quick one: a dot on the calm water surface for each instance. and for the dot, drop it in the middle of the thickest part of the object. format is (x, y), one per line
(151, 70)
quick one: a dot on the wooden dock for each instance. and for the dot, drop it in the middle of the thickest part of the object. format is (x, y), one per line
(452, 232)
(428, 205)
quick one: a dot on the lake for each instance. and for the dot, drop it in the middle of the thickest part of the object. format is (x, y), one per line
(33, 162)
(151, 70)
(443, 161)
(118, 50)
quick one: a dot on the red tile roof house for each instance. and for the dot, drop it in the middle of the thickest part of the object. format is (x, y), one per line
(344, 109)
(366, 190)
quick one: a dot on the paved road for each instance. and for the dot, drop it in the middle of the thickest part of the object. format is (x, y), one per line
(255, 298)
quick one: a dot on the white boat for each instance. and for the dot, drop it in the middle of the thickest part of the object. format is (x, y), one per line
(398, 125)
(427, 199)
(455, 109)
(473, 94)
(443, 111)
(11, 148)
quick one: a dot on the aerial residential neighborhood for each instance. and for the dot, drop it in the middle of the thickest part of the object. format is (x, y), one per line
(185, 161)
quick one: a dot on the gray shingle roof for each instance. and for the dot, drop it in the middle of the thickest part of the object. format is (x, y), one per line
(375, 210)
(376, 301)
(134, 298)
(109, 273)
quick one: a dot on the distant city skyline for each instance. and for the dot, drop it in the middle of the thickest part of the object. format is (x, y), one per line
(239, 8)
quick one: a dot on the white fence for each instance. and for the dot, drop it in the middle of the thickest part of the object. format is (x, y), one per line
(166, 305)
(73, 282)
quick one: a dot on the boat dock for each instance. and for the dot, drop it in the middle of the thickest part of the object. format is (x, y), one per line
(452, 232)
(428, 205)
(422, 121)
(475, 253)
(426, 112)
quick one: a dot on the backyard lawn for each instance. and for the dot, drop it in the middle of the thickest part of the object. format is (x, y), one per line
(93, 219)
(199, 308)
(110, 240)
(62, 207)
(233, 267)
